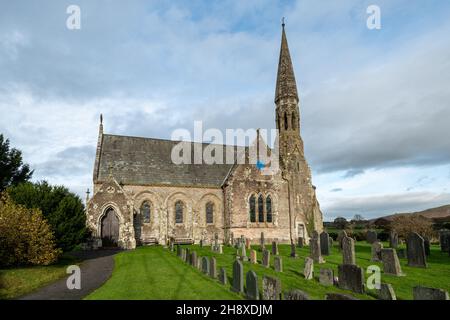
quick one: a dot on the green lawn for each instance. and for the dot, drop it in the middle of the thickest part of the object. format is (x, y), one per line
(16, 282)
(156, 273)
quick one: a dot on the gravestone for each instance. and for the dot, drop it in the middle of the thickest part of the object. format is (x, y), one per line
(247, 243)
(324, 244)
(308, 271)
(178, 250)
(393, 239)
(326, 277)
(339, 296)
(340, 237)
(293, 252)
(220, 249)
(194, 261)
(243, 253)
(348, 251)
(271, 288)
(251, 285)
(199, 263)
(371, 236)
(300, 242)
(183, 255)
(391, 264)
(275, 248)
(213, 268)
(376, 251)
(330, 243)
(314, 245)
(295, 294)
(223, 276)
(266, 258)
(444, 240)
(172, 246)
(205, 265)
(415, 251)
(188, 256)
(425, 293)
(253, 257)
(426, 243)
(262, 242)
(386, 292)
(238, 277)
(278, 264)
(401, 253)
(351, 277)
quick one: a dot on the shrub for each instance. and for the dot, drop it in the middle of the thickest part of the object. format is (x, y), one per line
(406, 224)
(25, 236)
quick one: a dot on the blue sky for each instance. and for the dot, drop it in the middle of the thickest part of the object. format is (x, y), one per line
(374, 103)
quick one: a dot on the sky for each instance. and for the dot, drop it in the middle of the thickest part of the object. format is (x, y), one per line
(375, 104)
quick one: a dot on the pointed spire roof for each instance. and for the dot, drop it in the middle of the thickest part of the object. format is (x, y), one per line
(286, 86)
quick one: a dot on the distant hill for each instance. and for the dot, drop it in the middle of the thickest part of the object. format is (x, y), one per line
(439, 214)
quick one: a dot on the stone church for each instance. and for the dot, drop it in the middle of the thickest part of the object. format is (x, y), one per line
(141, 197)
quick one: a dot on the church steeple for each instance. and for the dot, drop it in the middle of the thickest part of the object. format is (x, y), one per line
(286, 85)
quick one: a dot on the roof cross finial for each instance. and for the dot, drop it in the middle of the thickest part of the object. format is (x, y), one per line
(282, 22)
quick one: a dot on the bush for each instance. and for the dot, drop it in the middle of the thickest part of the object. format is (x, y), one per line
(63, 210)
(25, 236)
(406, 224)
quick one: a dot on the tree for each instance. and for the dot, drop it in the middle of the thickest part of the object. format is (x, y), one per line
(358, 217)
(340, 223)
(12, 169)
(25, 236)
(406, 224)
(63, 210)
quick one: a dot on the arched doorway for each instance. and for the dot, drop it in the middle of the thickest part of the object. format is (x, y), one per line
(110, 229)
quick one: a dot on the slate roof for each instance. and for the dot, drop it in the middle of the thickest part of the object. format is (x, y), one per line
(147, 161)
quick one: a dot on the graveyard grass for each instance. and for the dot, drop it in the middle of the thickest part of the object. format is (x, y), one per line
(157, 273)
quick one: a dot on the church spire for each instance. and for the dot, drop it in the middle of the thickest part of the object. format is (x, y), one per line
(286, 86)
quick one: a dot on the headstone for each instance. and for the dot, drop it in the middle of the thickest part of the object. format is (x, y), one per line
(424, 293)
(183, 255)
(340, 237)
(266, 258)
(324, 244)
(351, 277)
(213, 268)
(194, 261)
(300, 242)
(326, 277)
(238, 277)
(188, 256)
(247, 244)
(220, 249)
(339, 296)
(386, 292)
(308, 271)
(253, 257)
(262, 242)
(330, 243)
(223, 276)
(293, 252)
(314, 245)
(348, 251)
(271, 288)
(391, 264)
(172, 246)
(371, 236)
(393, 239)
(252, 285)
(444, 240)
(275, 248)
(243, 253)
(426, 242)
(295, 295)
(278, 264)
(415, 251)
(401, 253)
(199, 263)
(376, 251)
(205, 265)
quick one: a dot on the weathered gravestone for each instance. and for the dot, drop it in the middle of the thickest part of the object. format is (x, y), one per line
(314, 245)
(188, 256)
(444, 240)
(295, 294)
(220, 249)
(205, 265)
(275, 248)
(178, 251)
(300, 242)
(415, 251)
(426, 243)
(351, 277)
(199, 263)
(308, 271)
(183, 255)
(253, 257)
(339, 296)
(248, 243)
(340, 237)
(293, 251)
(252, 285)
(324, 244)
(243, 253)
(223, 276)
(326, 277)
(386, 292)
(376, 251)
(371, 236)
(262, 242)
(271, 288)
(330, 243)
(172, 246)
(278, 264)
(194, 261)
(393, 239)
(391, 264)
(424, 293)
(348, 251)
(266, 258)
(213, 268)
(238, 277)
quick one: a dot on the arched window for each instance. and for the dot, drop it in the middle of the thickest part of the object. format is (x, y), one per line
(260, 208)
(210, 212)
(145, 212)
(285, 121)
(268, 209)
(179, 212)
(252, 208)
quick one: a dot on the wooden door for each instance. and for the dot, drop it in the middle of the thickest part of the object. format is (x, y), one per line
(110, 229)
